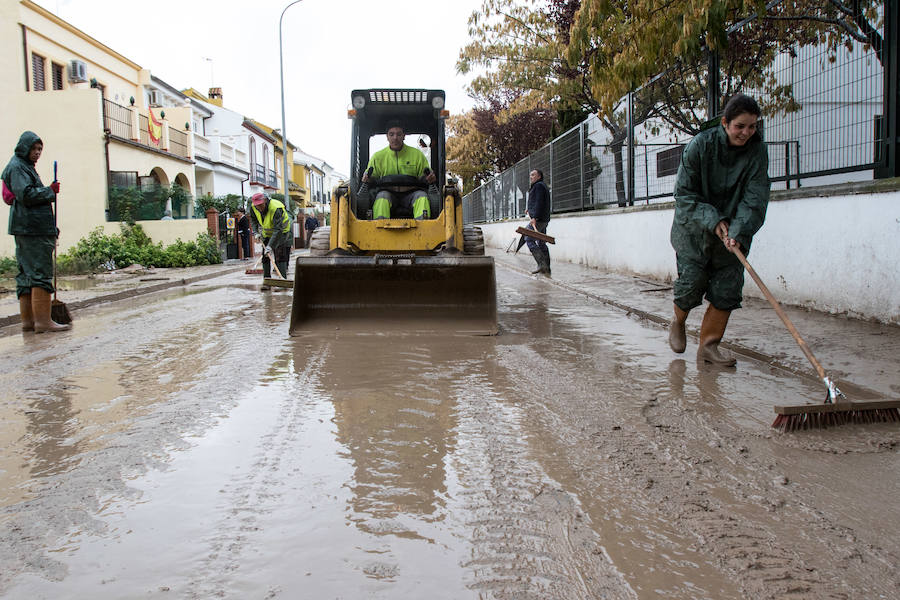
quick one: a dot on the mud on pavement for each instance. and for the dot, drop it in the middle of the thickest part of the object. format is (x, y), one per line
(152, 453)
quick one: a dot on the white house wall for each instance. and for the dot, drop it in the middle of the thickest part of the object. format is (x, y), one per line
(837, 254)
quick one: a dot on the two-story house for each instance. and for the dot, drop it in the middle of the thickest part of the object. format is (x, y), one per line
(88, 104)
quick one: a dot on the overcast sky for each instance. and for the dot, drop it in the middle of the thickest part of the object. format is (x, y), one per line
(330, 48)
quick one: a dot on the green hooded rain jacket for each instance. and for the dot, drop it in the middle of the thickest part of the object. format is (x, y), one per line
(31, 212)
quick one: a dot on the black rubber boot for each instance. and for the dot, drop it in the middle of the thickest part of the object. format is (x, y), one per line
(539, 259)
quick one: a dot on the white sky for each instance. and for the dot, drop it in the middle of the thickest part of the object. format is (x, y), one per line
(330, 48)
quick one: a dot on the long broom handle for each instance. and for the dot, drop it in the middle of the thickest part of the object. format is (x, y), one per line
(54, 208)
(780, 312)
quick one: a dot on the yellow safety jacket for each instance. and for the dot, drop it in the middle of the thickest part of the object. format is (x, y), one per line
(268, 227)
(406, 161)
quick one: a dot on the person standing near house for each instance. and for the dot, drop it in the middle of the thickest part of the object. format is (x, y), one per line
(310, 225)
(32, 223)
(539, 213)
(272, 224)
(721, 196)
(243, 231)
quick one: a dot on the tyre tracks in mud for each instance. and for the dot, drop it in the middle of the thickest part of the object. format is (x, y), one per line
(715, 483)
(248, 498)
(529, 537)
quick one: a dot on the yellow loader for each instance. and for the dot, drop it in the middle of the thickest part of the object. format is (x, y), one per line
(396, 273)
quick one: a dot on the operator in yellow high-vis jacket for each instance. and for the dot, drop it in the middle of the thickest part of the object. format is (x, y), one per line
(399, 159)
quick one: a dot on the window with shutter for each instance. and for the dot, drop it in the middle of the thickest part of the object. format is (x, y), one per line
(57, 76)
(37, 69)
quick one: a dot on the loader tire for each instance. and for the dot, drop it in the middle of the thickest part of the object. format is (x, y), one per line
(473, 241)
(320, 243)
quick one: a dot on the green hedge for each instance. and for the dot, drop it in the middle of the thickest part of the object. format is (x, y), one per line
(101, 251)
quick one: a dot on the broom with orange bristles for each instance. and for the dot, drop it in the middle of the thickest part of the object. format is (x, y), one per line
(836, 410)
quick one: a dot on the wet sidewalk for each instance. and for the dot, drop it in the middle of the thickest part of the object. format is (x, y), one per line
(861, 356)
(81, 291)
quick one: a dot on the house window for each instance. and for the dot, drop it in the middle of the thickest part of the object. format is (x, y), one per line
(265, 160)
(667, 161)
(37, 72)
(123, 178)
(57, 71)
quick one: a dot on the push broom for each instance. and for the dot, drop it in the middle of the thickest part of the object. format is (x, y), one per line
(836, 410)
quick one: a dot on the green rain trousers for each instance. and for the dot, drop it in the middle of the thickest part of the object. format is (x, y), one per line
(716, 182)
(34, 253)
(418, 199)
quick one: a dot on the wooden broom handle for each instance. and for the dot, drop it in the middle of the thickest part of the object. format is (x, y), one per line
(780, 311)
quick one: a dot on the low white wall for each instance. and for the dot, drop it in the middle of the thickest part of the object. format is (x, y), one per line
(835, 252)
(165, 231)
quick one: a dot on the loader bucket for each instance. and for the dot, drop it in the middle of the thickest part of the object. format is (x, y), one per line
(388, 293)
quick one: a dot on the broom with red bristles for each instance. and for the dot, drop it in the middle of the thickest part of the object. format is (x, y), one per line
(836, 410)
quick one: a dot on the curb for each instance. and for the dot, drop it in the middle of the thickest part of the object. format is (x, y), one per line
(124, 294)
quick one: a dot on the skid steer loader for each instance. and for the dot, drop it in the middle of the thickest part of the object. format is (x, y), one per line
(400, 273)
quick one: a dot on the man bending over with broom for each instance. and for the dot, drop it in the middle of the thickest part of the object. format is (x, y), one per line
(721, 195)
(31, 222)
(272, 224)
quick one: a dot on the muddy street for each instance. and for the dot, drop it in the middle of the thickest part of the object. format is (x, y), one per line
(181, 445)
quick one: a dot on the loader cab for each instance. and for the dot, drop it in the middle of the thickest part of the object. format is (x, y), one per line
(422, 114)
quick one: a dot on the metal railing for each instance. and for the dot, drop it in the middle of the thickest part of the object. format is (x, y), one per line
(258, 173)
(832, 131)
(117, 119)
(145, 131)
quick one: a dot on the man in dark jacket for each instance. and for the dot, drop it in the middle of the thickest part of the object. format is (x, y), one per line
(539, 212)
(243, 229)
(32, 223)
(310, 225)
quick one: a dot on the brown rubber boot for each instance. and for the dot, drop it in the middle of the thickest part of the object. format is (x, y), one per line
(40, 304)
(677, 336)
(26, 313)
(711, 331)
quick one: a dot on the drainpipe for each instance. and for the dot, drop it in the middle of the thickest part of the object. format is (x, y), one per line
(242, 187)
(25, 55)
(106, 152)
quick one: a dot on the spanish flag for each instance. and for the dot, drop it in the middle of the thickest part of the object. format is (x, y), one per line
(155, 127)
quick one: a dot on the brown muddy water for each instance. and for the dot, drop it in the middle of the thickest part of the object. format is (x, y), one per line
(180, 445)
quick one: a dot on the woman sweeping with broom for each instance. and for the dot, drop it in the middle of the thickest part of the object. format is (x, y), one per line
(721, 195)
(31, 222)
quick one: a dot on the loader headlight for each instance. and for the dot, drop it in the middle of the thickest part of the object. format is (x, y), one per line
(359, 102)
(437, 102)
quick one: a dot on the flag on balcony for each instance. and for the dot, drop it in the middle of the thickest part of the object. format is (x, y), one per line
(155, 127)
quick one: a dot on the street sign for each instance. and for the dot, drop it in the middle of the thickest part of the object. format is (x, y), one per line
(229, 223)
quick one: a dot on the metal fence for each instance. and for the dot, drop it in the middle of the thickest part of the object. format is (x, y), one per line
(117, 119)
(833, 131)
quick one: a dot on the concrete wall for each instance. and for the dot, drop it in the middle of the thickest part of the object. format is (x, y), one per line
(833, 249)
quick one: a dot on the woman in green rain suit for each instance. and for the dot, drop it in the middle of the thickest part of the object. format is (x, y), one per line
(721, 195)
(31, 222)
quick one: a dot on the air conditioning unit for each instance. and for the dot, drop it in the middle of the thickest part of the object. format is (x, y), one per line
(77, 71)
(153, 96)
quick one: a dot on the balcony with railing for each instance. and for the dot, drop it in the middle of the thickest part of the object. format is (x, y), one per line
(130, 125)
(202, 146)
(219, 152)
